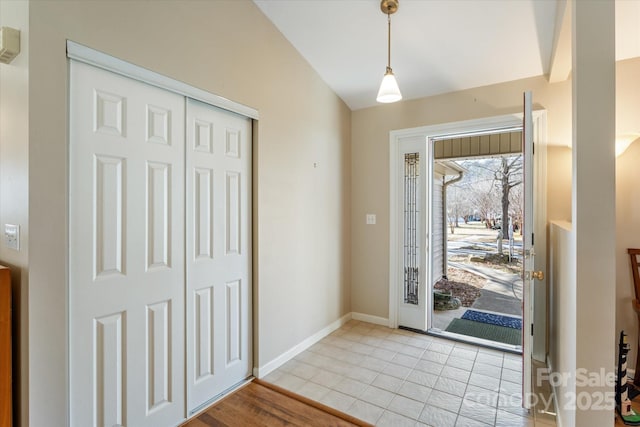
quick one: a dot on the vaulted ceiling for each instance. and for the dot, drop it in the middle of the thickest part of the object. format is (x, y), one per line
(438, 46)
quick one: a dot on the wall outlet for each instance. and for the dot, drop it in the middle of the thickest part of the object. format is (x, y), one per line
(12, 236)
(371, 219)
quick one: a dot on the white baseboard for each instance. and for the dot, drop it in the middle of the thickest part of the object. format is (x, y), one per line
(266, 369)
(370, 319)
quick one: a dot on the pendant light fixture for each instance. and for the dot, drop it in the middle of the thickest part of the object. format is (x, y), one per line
(389, 90)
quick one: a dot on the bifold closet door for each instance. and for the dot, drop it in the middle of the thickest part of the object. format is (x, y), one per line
(218, 181)
(126, 251)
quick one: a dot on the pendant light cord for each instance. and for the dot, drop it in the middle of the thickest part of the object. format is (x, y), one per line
(388, 42)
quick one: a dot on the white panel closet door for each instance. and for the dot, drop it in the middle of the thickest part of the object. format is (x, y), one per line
(218, 251)
(126, 251)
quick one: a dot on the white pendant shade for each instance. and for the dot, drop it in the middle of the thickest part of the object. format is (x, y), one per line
(389, 90)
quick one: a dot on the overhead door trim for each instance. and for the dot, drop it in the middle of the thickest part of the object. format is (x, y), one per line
(99, 59)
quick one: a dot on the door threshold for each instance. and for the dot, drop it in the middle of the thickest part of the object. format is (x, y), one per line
(202, 407)
(494, 345)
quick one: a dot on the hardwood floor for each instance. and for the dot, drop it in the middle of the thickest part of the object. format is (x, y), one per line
(264, 404)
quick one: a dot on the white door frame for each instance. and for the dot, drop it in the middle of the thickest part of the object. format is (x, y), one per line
(473, 126)
(107, 62)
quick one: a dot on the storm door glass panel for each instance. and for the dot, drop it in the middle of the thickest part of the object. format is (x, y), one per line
(411, 228)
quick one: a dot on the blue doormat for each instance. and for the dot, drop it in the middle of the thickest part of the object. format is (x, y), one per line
(493, 319)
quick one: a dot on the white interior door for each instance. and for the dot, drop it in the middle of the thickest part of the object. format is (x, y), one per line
(218, 251)
(411, 205)
(126, 251)
(527, 243)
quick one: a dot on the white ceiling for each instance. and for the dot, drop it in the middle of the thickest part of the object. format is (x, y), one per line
(438, 46)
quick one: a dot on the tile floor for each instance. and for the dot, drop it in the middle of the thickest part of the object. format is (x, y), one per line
(392, 377)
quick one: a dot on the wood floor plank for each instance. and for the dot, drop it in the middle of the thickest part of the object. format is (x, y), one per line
(253, 406)
(315, 404)
(275, 408)
(266, 405)
(222, 416)
(196, 422)
(288, 410)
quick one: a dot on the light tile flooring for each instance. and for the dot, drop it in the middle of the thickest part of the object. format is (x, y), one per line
(391, 377)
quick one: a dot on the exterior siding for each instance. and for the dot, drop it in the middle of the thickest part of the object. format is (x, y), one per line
(438, 229)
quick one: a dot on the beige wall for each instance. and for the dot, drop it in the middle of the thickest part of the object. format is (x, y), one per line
(228, 48)
(559, 183)
(370, 165)
(14, 182)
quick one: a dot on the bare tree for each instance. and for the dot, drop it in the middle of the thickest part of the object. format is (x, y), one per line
(491, 186)
(482, 195)
(516, 207)
(508, 175)
(481, 189)
(457, 205)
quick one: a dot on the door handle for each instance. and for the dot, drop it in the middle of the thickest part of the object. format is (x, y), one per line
(537, 275)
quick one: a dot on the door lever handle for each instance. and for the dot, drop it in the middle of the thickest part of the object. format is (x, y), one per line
(537, 275)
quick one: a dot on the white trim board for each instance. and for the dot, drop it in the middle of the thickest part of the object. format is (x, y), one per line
(107, 62)
(376, 320)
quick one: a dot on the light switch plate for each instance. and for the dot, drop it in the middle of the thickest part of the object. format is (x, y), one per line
(371, 219)
(12, 236)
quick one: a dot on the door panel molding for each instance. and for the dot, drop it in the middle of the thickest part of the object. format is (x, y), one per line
(218, 252)
(126, 245)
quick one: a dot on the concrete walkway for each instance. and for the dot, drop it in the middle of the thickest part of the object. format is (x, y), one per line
(501, 294)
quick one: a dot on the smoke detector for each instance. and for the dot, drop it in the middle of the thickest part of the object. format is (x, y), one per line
(9, 44)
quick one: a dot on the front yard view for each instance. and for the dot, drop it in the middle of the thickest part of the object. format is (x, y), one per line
(481, 294)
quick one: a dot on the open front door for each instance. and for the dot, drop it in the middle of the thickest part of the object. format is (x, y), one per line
(527, 246)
